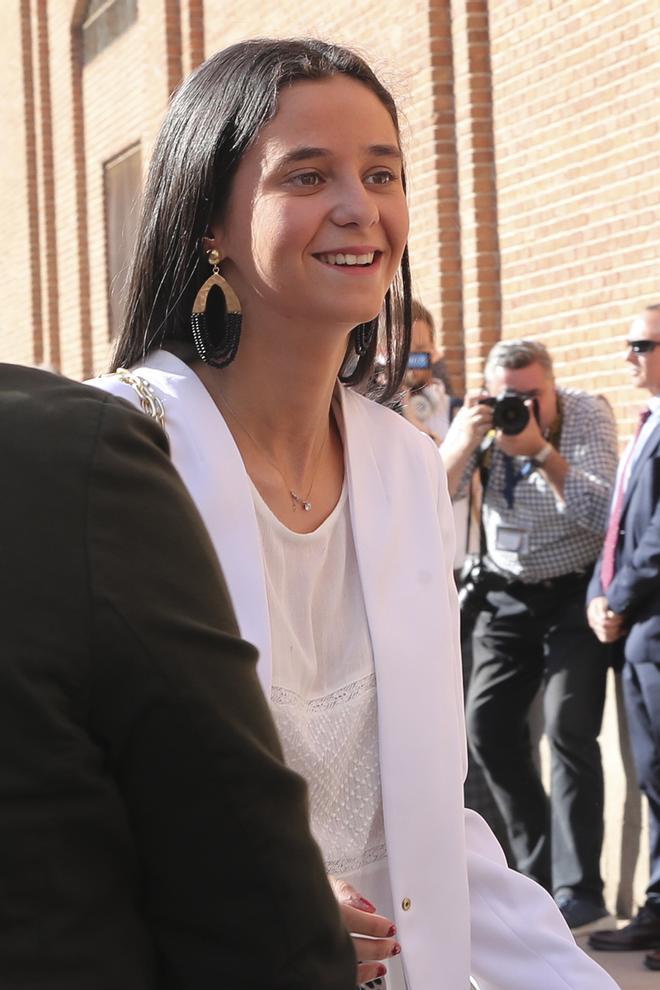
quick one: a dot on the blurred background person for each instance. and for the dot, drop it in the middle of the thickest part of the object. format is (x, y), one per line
(428, 399)
(429, 402)
(624, 609)
(151, 837)
(546, 484)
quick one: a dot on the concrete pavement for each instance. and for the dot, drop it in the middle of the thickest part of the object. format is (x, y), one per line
(626, 968)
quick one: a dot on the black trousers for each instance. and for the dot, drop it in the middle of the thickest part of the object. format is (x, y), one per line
(641, 691)
(528, 636)
(478, 795)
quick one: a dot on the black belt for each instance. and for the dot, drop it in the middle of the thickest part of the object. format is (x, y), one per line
(501, 581)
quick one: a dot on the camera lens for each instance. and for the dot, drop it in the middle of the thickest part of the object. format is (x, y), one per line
(510, 415)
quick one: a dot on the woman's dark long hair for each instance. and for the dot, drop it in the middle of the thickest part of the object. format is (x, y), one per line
(213, 119)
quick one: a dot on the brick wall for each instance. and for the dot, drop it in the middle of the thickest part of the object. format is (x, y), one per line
(474, 143)
(20, 322)
(94, 112)
(577, 136)
(68, 121)
(531, 131)
(128, 85)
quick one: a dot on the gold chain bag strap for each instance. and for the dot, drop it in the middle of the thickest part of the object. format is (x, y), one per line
(150, 403)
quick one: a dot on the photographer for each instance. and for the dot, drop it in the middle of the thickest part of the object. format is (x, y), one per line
(547, 458)
(427, 400)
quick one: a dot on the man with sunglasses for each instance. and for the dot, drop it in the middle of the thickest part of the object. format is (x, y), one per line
(624, 609)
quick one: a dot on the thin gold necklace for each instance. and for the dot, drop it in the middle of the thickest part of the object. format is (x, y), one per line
(296, 499)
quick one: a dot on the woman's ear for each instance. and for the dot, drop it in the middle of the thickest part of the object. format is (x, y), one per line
(209, 242)
(211, 239)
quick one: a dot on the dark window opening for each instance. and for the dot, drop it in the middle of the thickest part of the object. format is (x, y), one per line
(104, 21)
(122, 192)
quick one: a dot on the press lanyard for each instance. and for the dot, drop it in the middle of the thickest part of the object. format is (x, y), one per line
(512, 477)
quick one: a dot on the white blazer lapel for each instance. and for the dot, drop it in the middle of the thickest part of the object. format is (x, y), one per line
(401, 562)
(211, 466)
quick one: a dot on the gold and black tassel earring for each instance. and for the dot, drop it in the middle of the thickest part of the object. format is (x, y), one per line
(217, 349)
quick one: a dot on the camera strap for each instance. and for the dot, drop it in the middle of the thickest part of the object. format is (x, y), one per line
(484, 462)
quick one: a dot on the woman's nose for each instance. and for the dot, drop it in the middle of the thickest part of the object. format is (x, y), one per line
(355, 205)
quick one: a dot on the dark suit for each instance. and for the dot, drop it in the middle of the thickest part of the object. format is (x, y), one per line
(635, 593)
(150, 836)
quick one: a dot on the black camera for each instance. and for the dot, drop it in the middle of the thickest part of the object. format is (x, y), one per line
(475, 582)
(510, 414)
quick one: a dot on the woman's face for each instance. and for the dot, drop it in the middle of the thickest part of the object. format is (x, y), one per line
(317, 219)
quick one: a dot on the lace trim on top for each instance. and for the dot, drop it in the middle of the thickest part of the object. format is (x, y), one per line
(333, 742)
(282, 696)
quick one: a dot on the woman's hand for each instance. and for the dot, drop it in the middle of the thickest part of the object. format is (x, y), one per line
(373, 935)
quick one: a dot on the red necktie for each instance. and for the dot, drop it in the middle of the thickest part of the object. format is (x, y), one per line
(607, 567)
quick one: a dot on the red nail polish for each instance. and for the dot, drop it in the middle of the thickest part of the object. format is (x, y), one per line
(381, 971)
(396, 950)
(364, 905)
(392, 931)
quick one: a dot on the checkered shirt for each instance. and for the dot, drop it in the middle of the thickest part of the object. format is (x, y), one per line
(563, 535)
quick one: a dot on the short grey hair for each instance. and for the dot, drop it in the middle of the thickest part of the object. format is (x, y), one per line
(518, 354)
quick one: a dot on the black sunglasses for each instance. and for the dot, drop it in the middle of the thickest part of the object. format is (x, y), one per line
(642, 346)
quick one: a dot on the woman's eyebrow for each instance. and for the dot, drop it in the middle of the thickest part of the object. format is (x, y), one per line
(384, 151)
(301, 154)
(307, 152)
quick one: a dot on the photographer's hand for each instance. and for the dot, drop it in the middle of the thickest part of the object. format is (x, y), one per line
(530, 442)
(473, 420)
(468, 428)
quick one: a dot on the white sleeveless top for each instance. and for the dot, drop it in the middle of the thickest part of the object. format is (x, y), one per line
(323, 697)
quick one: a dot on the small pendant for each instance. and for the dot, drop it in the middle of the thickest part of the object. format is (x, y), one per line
(297, 500)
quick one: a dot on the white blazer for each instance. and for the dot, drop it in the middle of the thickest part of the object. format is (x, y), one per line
(458, 908)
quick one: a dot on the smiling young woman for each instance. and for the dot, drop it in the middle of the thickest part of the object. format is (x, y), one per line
(271, 268)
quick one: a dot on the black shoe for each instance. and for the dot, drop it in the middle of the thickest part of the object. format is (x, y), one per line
(583, 915)
(652, 960)
(643, 932)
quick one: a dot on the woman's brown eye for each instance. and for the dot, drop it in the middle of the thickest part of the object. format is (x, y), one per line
(307, 179)
(380, 178)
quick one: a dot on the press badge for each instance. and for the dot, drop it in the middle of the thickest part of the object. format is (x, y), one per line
(512, 539)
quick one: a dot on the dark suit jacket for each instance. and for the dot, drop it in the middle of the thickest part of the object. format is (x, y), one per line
(150, 836)
(635, 589)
